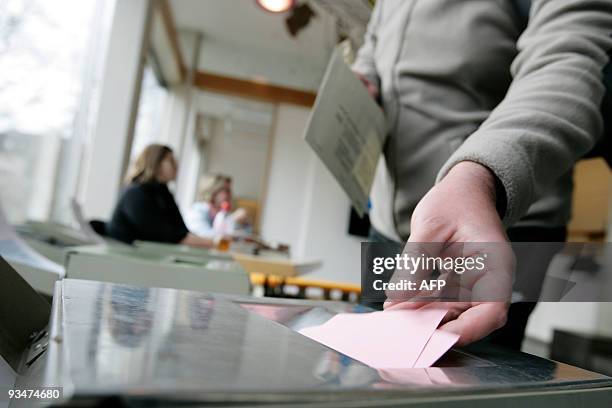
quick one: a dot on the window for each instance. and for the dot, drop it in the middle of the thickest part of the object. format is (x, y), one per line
(51, 57)
(150, 112)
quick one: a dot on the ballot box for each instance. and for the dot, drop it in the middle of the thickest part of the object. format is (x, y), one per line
(50, 239)
(53, 232)
(129, 266)
(269, 272)
(39, 271)
(276, 266)
(156, 248)
(24, 319)
(262, 264)
(134, 346)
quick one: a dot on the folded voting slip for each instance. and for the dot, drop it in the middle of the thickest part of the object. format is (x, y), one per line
(387, 340)
(347, 129)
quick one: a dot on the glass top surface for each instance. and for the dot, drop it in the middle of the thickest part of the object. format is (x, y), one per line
(153, 341)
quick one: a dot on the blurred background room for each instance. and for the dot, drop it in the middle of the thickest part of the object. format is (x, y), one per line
(87, 85)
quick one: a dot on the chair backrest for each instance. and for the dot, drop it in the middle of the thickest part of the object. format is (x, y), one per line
(94, 231)
(99, 227)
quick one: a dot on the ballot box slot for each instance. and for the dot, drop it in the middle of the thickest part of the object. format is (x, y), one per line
(187, 260)
(296, 317)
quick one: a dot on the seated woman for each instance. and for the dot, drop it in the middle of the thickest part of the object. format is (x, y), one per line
(213, 190)
(214, 199)
(146, 210)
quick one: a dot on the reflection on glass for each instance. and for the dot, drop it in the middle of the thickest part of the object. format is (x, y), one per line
(200, 312)
(130, 320)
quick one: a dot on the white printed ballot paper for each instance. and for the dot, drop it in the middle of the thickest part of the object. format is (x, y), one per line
(346, 129)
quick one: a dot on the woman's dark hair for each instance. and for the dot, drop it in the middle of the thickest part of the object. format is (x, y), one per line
(146, 166)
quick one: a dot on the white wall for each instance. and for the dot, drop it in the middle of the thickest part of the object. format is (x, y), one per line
(247, 117)
(582, 317)
(304, 206)
(239, 150)
(284, 204)
(593, 318)
(548, 316)
(586, 317)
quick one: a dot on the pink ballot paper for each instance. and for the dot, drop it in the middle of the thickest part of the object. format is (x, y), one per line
(393, 339)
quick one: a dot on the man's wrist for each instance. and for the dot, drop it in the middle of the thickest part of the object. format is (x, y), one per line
(501, 199)
(480, 178)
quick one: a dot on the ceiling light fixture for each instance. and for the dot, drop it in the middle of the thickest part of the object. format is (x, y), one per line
(276, 6)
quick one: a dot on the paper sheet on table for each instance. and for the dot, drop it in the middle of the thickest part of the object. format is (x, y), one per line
(387, 340)
(346, 129)
(13, 248)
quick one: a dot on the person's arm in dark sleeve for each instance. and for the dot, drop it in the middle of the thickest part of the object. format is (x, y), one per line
(147, 218)
(178, 232)
(197, 241)
(550, 116)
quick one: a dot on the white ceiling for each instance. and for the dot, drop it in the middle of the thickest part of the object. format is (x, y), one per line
(244, 25)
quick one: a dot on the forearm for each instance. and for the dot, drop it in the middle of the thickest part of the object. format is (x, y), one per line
(197, 241)
(550, 116)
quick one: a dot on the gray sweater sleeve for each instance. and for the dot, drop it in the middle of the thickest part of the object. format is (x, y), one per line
(364, 61)
(550, 116)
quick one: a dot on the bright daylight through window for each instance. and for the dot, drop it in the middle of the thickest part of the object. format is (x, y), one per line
(51, 55)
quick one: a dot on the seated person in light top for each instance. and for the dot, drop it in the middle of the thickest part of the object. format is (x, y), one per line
(210, 216)
(146, 210)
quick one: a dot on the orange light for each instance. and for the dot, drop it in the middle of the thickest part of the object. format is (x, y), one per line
(276, 6)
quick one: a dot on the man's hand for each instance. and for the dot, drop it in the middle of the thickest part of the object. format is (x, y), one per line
(461, 209)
